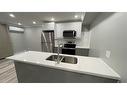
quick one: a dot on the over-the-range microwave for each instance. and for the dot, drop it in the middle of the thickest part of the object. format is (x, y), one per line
(69, 33)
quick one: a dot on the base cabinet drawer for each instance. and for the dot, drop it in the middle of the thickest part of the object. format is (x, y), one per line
(82, 52)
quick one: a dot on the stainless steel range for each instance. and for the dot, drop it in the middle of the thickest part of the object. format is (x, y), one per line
(69, 48)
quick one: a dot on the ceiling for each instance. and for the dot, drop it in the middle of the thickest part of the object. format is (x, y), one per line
(26, 18)
(90, 17)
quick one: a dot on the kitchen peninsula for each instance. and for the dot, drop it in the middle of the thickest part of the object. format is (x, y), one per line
(32, 67)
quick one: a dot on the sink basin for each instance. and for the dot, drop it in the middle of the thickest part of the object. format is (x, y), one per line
(53, 57)
(68, 59)
(64, 59)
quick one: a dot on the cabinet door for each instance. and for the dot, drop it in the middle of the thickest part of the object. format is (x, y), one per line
(5, 44)
(82, 51)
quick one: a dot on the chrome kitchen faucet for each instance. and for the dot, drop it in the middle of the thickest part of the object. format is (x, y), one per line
(58, 52)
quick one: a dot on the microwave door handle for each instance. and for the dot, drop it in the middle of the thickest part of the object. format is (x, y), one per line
(74, 33)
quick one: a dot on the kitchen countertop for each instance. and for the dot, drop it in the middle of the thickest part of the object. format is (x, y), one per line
(81, 47)
(86, 65)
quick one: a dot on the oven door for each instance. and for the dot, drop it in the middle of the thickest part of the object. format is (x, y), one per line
(70, 51)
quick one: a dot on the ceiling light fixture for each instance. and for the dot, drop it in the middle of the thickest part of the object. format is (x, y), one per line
(19, 23)
(12, 15)
(52, 19)
(34, 22)
(76, 16)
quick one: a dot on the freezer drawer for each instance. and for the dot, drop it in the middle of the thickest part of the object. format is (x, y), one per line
(47, 47)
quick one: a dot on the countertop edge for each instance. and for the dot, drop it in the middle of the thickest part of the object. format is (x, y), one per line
(71, 70)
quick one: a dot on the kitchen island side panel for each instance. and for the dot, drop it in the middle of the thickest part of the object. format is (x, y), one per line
(29, 73)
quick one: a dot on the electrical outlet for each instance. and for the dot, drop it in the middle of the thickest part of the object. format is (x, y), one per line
(108, 53)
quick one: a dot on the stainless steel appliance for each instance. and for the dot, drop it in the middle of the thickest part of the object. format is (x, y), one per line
(47, 40)
(69, 33)
(69, 48)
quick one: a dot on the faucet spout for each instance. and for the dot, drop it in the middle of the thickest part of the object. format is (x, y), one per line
(58, 52)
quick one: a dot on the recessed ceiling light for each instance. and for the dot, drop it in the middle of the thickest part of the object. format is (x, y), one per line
(76, 16)
(34, 22)
(12, 15)
(52, 19)
(19, 23)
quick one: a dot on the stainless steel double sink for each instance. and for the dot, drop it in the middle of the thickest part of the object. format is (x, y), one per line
(64, 59)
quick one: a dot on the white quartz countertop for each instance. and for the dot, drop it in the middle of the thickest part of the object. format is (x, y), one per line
(82, 47)
(86, 65)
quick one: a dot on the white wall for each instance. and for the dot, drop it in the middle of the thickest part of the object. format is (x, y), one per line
(48, 26)
(84, 41)
(33, 38)
(18, 41)
(109, 32)
(29, 40)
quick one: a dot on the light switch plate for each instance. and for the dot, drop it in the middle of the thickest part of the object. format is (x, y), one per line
(108, 53)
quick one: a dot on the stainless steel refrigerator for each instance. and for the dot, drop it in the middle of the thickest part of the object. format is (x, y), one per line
(47, 40)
